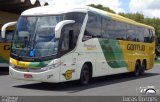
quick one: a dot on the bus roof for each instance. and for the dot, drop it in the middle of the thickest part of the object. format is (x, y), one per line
(57, 9)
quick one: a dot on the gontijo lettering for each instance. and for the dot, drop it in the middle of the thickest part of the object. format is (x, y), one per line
(136, 47)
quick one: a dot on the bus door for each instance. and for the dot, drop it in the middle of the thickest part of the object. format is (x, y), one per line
(69, 57)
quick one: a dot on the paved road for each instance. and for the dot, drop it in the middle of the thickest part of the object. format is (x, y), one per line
(122, 84)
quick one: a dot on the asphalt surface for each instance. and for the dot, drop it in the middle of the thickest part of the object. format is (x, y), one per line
(117, 85)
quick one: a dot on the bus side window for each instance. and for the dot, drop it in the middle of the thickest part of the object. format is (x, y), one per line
(151, 34)
(146, 35)
(78, 17)
(93, 27)
(1, 39)
(107, 25)
(140, 33)
(153, 37)
(131, 33)
(9, 35)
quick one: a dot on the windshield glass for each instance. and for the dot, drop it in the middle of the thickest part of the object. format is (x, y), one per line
(35, 36)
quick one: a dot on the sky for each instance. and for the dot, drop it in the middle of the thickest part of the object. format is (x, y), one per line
(150, 8)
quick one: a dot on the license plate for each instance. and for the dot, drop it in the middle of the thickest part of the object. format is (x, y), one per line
(28, 76)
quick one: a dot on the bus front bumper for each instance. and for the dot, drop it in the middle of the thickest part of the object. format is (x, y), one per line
(46, 76)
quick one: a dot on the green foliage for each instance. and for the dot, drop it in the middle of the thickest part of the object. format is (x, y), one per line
(101, 7)
(136, 17)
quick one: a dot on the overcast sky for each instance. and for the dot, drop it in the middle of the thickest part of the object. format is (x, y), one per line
(150, 8)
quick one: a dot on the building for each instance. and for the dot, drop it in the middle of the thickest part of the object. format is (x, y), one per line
(11, 9)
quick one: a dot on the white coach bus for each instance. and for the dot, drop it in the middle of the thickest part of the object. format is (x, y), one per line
(57, 44)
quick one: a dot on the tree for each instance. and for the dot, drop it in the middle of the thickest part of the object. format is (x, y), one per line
(134, 16)
(101, 7)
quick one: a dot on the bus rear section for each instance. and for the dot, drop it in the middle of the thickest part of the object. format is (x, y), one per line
(5, 45)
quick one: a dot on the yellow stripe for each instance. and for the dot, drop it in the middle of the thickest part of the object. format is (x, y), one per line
(19, 63)
(126, 20)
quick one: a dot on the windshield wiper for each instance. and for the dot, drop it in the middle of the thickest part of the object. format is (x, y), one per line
(34, 35)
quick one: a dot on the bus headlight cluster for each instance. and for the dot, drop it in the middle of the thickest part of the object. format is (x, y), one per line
(47, 68)
(54, 64)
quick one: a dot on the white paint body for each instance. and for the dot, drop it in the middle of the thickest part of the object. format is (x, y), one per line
(75, 59)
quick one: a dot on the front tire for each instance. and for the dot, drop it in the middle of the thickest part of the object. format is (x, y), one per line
(85, 75)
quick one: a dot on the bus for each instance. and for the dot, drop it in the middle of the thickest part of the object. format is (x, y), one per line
(5, 44)
(58, 44)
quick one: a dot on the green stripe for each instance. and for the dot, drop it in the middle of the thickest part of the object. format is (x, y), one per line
(38, 64)
(113, 53)
(2, 60)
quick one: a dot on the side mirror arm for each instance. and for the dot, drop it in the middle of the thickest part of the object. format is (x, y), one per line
(3, 29)
(60, 25)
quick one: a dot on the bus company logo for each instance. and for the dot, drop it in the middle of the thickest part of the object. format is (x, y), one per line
(149, 91)
(68, 74)
(136, 47)
(90, 47)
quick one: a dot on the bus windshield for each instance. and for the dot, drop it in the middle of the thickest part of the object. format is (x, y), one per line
(35, 36)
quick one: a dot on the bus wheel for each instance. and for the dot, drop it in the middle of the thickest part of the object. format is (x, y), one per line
(143, 67)
(85, 75)
(137, 69)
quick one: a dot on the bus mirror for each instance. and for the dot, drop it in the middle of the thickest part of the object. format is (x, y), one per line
(60, 25)
(4, 27)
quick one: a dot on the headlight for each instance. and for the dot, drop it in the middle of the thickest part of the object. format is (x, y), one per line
(47, 68)
(53, 64)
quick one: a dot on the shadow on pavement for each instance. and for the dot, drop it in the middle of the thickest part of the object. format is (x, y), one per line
(4, 71)
(74, 86)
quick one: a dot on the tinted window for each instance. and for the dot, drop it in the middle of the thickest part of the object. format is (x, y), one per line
(107, 28)
(151, 35)
(76, 27)
(77, 16)
(113, 29)
(131, 33)
(120, 30)
(147, 36)
(9, 34)
(140, 34)
(93, 27)
(104, 28)
(1, 40)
